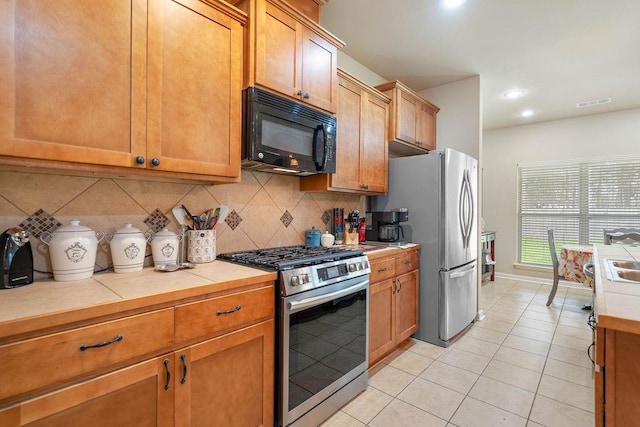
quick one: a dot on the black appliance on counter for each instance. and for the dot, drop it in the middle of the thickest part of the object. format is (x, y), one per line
(384, 226)
(16, 259)
(284, 136)
(322, 332)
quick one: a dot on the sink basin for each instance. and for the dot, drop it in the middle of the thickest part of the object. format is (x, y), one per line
(622, 270)
(629, 275)
(629, 265)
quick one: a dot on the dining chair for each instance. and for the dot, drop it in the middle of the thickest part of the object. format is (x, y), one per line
(621, 235)
(555, 263)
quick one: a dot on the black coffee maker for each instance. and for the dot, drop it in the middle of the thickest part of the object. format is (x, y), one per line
(384, 226)
(16, 259)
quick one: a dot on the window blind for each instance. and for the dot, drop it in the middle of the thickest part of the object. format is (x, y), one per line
(578, 200)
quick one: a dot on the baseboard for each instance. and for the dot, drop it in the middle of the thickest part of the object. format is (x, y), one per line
(537, 280)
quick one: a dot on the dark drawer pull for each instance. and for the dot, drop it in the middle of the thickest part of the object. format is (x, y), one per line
(183, 357)
(382, 270)
(233, 310)
(118, 337)
(165, 362)
(407, 262)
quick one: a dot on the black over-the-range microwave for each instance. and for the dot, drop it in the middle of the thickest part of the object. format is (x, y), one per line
(284, 136)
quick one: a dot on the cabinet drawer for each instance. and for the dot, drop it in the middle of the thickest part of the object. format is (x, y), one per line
(45, 361)
(220, 314)
(406, 262)
(382, 269)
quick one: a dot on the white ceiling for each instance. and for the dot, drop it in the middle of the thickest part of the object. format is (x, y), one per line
(560, 52)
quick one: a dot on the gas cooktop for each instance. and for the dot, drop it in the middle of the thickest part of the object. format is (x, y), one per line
(287, 257)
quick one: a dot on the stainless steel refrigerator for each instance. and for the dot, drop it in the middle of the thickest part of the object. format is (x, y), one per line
(440, 190)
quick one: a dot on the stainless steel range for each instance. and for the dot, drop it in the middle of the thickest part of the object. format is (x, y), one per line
(322, 334)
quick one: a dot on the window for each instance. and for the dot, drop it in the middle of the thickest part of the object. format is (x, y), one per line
(578, 200)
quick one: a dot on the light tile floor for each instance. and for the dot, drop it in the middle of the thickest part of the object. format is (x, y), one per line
(525, 364)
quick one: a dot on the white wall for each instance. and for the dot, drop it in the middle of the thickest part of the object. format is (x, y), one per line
(586, 137)
(358, 70)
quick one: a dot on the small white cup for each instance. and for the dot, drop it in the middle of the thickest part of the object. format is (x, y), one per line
(327, 240)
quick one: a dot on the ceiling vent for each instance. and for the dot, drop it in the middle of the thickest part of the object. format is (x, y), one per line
(593, 102)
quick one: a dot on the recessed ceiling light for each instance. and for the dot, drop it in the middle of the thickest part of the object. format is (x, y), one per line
(452, 3)
(513, 93)
(526, 113)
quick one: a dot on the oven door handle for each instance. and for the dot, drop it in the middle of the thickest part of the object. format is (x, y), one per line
(295, 306)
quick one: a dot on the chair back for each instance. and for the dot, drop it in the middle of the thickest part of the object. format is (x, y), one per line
(621, 235)
(552, 250)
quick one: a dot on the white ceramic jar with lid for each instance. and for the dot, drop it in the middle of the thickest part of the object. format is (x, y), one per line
(164, 247)
(327, 239)
(73, 250)
(128, 247)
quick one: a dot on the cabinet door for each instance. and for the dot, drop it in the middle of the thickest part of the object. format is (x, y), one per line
(319, 68)
(426, 128)
(278, 50)
(382, 311)
(408, 118)
(67, 74)
(228, 381)
(347, 174)
(133, 396)
(194, 81)
(406, 305)
(374, 152)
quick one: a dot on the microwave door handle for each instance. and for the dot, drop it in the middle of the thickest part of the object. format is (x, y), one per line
(320, 166)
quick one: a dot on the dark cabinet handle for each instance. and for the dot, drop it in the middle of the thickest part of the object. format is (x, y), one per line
(364, 186)
(382, 270)
(306, 96)
(395, 288)
(233, 310)
(155, 161)
(399, 285)
(407, 262)
(183, 357)
(166, 368)
(118, 337)
(140, 160)
(299, 93)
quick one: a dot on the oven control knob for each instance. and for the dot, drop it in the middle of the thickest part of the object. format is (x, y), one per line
(352, 267)
(295, 280)
(363, 265)
(305, 278)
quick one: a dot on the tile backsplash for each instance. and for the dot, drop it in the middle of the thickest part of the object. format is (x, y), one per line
(266, 210)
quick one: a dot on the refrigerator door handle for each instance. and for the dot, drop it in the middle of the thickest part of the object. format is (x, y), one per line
(465, 209)
(461, 273)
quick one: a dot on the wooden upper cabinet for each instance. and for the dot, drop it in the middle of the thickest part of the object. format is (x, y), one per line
(291, 54)
(121, 83)
(195, 88)
(412, 121)
(66, 80)
(361, 146)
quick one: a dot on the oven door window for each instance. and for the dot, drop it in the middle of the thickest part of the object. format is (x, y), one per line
(326, 342)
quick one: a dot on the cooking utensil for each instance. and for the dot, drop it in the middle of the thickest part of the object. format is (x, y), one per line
(173, 267)
(222, 215)
(194, 218)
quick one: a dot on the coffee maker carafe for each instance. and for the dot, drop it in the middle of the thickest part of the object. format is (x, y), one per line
(385, 226)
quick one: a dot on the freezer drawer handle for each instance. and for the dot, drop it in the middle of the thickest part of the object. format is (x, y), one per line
(117, 338)
(461, 274)
(233, 310)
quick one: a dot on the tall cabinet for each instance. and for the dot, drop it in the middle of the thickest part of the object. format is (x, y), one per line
(151, 86)
(361, 146)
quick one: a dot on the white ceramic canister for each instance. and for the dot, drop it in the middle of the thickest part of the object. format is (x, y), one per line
(73, 250)
(164, 247)
(128, 247)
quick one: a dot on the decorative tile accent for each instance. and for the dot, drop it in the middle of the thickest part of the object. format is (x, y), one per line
(39, 222)
(326, 217)
(233, 220)
(286, 218)
(157, 220)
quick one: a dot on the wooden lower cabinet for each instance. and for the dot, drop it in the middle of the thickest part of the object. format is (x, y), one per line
(616, 378)
(228, 381)
(132, 396)
(393, 303)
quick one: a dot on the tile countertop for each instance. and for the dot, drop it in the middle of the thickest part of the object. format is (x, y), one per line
(617, 303)
(47, 304)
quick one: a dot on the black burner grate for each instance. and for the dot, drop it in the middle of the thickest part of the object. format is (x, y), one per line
(286, 257)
